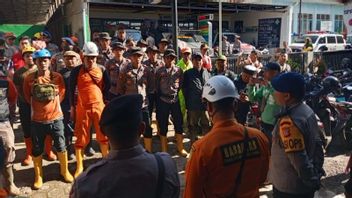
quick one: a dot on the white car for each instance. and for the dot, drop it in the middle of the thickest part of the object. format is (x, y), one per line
(331, 42)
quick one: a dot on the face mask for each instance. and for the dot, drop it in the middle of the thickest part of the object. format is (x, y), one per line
(144, 49)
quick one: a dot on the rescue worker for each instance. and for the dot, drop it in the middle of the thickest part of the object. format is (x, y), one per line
(44, 90)
(143, 45)
(206, 59)
(70, 61)
(105, 51)
(128, 170)
(46, 37)
(222, 68)
(121, 35)
(135, 78)
(153, 64)
(265, 97)
(168, 84)
(231, 160)
(24, 107)
(193, 82)
(241, 84)
(297, 152)
(283, 57)
(163, 44)
(8, 97)
(114, 65)
(92, 84)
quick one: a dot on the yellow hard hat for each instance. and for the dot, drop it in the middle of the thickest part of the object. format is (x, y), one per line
(38, 35)
(28, 49)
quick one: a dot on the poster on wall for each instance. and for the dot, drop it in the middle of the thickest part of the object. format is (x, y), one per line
(269, 31)
(347, 17)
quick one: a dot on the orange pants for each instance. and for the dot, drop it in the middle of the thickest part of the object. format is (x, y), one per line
(85, 117)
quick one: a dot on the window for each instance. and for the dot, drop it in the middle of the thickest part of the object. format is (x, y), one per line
(332, 39)
(320, 18)
(339, 23)
(322, 40)
(340, 39)
(307, 22)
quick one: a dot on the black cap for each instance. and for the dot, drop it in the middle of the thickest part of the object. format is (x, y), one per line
(250, 69)
(153, 49)
(104, 35)
(170, 52)
(136, 50)
(117, 45)
(122, 111)
(197, 55)
(272, 66)
(290, 82)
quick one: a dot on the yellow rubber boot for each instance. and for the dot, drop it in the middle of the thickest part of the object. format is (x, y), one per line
(148, 144)
(64, 167)
(79, 159)
(38, 171)
(179, 143)
(163, 141)
(104, 148)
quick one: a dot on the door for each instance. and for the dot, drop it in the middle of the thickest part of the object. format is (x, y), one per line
(331, 43)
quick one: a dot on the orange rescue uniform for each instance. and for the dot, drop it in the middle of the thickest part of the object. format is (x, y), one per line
(216, 158)
(45, 111)
(90, 105)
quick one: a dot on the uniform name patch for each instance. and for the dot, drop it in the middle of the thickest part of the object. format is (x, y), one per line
(233, 152)
(292, 139)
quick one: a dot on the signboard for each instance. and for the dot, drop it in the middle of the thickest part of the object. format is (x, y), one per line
(326, 26)
(203, 25)
(269, 31)
(347, 17)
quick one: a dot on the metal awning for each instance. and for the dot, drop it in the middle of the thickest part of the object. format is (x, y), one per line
(27, 11)
(188, 5)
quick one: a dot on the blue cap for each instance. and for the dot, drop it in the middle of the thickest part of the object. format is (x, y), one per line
(290, 82)
(273, 66)
(68, 40)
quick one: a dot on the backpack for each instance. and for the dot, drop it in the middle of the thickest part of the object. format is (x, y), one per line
(73, 83)
(44, 92)
(4, 105)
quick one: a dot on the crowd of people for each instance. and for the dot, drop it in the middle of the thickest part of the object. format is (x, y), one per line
(112, 88)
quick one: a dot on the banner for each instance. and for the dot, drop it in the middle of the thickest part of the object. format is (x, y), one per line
(347, 17)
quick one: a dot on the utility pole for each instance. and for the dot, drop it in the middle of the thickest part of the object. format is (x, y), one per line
(300, 19)
(220, 27)
(174, 26)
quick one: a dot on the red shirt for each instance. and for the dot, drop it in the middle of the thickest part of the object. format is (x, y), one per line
(18, 61)
(207, 62)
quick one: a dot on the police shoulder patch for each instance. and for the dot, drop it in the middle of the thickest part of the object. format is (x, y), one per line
(233, 152)
(291, 137)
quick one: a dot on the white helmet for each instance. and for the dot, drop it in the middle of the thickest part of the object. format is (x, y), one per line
(90, 49)
(219, 87)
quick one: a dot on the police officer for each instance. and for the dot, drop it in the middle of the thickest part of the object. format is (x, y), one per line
(128, 170)
(241, 84)
(231, 160)
(168, 84)
(114, 65)
(297, 153)
(135, 78)
(105, 52)
(153, 63)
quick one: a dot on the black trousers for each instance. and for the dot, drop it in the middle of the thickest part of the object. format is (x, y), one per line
(163, 111)
(278, 194)
(39, 131)
(151, 104)
(25, 117)
(267, 129)
(146, 119)
(242, 112)
(68, 128)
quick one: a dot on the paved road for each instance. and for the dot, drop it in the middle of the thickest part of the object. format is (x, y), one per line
(55, 187)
